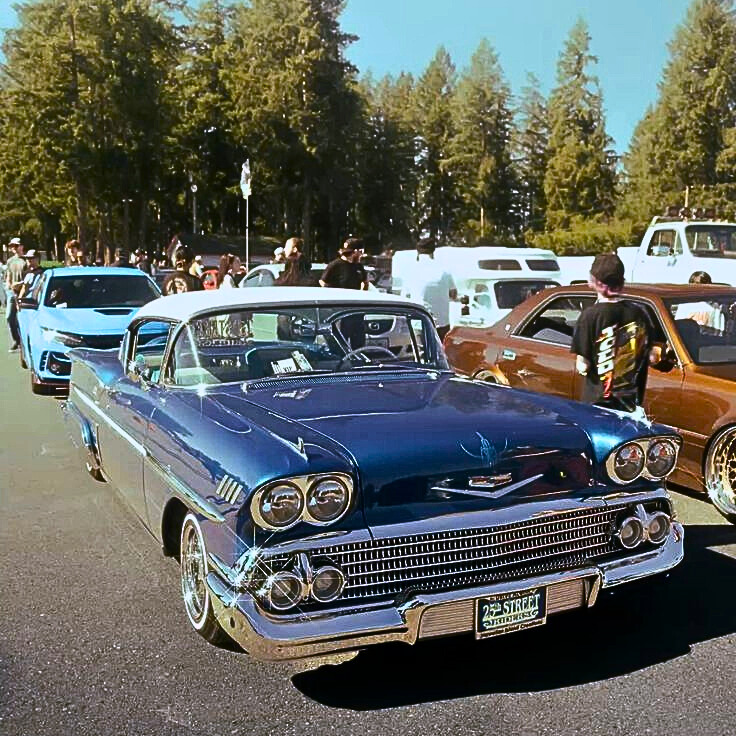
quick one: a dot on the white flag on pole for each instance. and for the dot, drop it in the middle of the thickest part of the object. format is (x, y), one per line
(245, 179)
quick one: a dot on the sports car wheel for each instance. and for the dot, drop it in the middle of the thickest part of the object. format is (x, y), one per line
(720, 473)
(193, 586)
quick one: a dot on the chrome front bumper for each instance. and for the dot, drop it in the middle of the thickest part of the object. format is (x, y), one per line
(425, 615)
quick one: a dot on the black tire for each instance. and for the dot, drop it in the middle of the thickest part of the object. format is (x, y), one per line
(719, 473)
(193, 572)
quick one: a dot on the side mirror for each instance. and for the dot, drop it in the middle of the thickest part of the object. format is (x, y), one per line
(465, 310)
(138, 369)
(464, 299)
(28, 302)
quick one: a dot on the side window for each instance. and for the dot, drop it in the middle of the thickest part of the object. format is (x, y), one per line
(662, 243)
(183, 368)
(677, 250)
(37, 289)
(556, 322)
(147, 347)
(656, 331)
(261, 278)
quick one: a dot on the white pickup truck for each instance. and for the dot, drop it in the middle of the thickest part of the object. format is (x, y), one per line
(671, 251)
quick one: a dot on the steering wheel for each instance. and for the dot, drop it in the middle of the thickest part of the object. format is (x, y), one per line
(362, 351)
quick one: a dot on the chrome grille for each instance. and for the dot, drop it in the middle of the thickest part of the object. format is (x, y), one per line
(465, 557)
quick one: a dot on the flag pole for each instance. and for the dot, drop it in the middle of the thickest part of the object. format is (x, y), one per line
(245, 188)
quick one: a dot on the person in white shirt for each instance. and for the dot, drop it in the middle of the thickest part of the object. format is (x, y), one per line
(432, 285)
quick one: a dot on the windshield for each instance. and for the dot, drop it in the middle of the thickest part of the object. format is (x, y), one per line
(511, 293)
(712, 240)
(707, 327)
(83, 291)
(278, 342)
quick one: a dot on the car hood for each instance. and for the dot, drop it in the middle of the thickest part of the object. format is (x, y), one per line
(87, 321)
(433, 445)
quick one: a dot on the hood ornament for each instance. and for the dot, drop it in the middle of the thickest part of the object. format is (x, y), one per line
(482, 486)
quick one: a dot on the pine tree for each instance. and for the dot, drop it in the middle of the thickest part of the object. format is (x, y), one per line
(531, 146)
(296, 111)
(580, 176)
(85, 87)
(438, 200)
(684, 141)
(202, 131)
(387, 171)
(480, 149)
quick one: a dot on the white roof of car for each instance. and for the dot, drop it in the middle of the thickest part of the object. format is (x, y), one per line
(181, 307)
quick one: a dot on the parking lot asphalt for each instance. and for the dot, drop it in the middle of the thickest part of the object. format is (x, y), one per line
(95, 639)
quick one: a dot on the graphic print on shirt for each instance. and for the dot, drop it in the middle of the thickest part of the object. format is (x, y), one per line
(617, 354)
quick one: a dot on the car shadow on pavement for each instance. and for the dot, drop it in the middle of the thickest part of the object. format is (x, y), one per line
(630, 628)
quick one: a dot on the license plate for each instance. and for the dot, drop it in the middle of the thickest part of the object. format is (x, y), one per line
(500, 614)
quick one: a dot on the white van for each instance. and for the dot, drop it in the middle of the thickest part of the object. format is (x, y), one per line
(490, 280)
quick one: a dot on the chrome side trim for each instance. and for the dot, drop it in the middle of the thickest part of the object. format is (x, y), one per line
(191, 497)
(137, 446)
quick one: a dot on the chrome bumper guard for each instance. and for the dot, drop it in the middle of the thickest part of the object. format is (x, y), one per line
(425, 615)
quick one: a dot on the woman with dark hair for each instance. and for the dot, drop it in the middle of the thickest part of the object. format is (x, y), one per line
(229, 269)
(297, 272)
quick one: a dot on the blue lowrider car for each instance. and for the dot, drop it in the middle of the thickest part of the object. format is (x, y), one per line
(324, 494)
(75, 307)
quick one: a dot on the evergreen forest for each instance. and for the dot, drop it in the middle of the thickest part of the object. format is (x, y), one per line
(118, 113)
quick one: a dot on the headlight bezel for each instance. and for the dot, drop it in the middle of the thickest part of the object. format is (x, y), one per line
(304, 484)
(645, 444)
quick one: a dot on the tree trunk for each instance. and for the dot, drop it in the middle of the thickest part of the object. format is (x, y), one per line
(307, 217)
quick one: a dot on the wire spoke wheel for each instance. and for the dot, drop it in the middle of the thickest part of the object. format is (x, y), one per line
(720, 473)
(193, 574)
(194, 591)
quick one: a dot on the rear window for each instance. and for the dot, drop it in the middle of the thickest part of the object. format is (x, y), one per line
(542, 264)
(511, 293)
(499, 264)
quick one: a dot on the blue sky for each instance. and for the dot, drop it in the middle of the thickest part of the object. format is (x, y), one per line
(628, 36)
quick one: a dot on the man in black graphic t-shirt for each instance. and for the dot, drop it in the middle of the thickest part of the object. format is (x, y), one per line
(611, 341)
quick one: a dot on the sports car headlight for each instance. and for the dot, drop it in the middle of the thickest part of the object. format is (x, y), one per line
(315, 499)
(327, 500)
(652, 458)
(65, 338)
(661, 458)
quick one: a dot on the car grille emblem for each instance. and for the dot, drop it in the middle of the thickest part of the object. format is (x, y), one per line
(488, 481)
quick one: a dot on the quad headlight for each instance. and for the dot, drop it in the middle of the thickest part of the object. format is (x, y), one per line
(653, 458)
(327, 500)
(281, 505)
(315, 499)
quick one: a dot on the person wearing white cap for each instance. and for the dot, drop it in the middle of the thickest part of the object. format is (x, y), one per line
(14, 273)
(33, 272)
